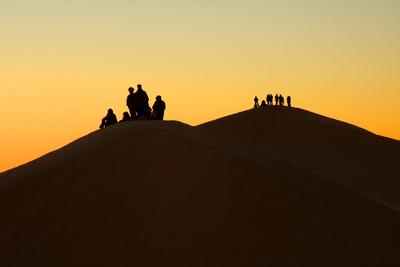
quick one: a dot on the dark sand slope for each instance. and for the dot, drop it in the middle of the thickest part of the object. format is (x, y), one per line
(363, 160)
(168, 194)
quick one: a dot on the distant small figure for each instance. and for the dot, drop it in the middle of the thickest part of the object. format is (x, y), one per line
(131, 103)
(276, 99)
(256, 102)
(142, 102)
(125, 117)
(263, 103)
(109, 119)
(288, 99)
(158, 109)
(281, 100)
(269, 99)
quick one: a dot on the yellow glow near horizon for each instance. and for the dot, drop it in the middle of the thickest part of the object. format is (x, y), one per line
(65, 63)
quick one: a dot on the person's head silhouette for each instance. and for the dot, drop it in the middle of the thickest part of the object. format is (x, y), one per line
(125, 116)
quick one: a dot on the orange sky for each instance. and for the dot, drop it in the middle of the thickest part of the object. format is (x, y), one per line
(64, 63)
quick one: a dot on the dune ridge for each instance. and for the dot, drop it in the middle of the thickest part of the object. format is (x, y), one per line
(342, 151)
(165, 193)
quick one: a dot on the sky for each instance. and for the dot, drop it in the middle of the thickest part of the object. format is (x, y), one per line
(64, 63)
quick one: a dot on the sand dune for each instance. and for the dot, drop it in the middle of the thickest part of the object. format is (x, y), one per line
(359, 158)
(150, 193)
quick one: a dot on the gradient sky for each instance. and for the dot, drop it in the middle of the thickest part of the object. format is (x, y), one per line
(64, 63)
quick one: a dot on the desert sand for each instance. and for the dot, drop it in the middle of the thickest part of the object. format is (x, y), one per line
(354, 156)
(163, 193)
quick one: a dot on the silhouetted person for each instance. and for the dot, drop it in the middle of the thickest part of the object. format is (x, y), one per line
(142, 102)
(276, 99)
(269, 100)
(158, 108)
(109, 119)
(131, 103)
(125, 117)
(289, 99)
(256, 102)
(281, 100)
(263, 103)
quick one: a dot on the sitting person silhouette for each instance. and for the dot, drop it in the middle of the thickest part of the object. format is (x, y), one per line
(263, 103)
(125, 117)
(109, 119)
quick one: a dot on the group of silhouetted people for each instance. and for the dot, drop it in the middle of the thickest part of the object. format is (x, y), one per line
(279, 100)
(138, 105)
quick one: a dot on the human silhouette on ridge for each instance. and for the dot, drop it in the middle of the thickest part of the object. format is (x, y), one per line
(256, 102)
(109, 119)
(158, 108)
(126, 117)
(281, 100)
(142, 102)
(131, 103)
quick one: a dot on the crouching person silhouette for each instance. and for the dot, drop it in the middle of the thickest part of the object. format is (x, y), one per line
(125, 117)
(109, 119)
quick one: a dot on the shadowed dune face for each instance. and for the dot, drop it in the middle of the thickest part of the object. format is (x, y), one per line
(149, 193)
(365, 161)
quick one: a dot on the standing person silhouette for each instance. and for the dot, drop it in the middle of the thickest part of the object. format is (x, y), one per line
(256, 102)
(142, 102)
(131, 103)
(281, 100)
(158, 108)
(289, 99)
(276, 99)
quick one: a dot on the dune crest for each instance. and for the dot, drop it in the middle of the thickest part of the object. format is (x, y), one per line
(165, 193)
(352, 155)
